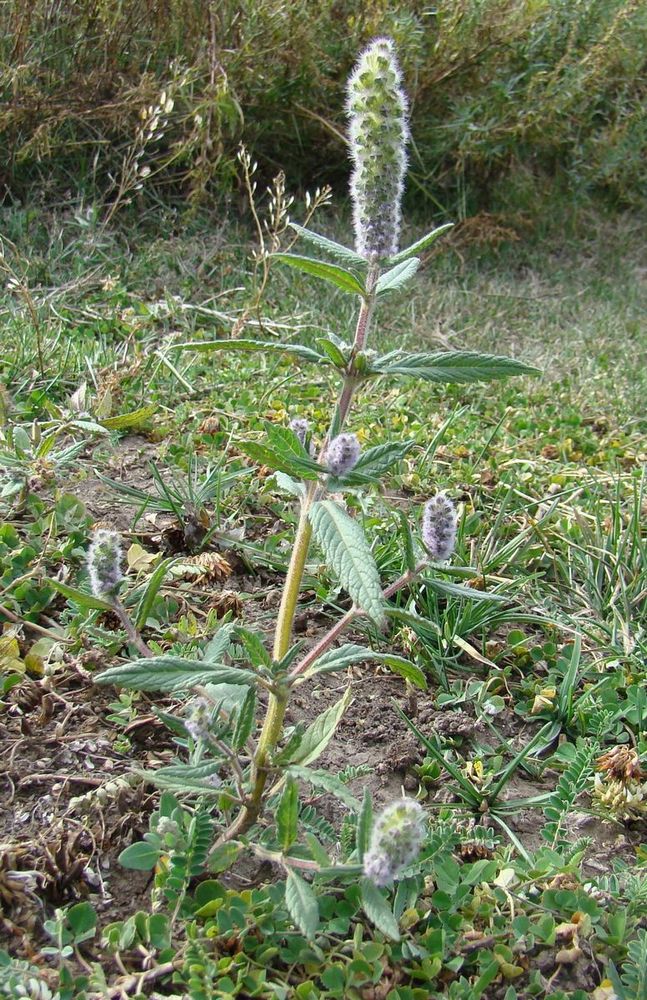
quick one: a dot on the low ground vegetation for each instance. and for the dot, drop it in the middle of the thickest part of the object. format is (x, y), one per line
(524, 743)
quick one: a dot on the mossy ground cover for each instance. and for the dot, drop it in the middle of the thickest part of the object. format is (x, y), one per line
(532, 880)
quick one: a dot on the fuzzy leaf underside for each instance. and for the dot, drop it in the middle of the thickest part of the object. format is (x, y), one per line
(452, 366)
(348, 554)
(173, 673)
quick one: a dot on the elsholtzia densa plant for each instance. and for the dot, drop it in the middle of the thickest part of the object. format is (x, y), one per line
(249, 753)
(377, 110)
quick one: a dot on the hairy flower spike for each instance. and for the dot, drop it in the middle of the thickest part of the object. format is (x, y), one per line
(395, 841)
(198, 724)
(342, 454)
(300, 428)
(439, 523)
(104, 563)
(377, 109)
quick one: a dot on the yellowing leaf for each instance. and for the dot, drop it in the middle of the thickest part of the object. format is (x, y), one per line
(139, 559)
(11, 661)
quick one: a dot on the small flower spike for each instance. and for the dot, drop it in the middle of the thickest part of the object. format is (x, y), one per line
(439, 524)
(104, 563)
(342, 454)
(300, 428)
(396, 839)
(377, 109)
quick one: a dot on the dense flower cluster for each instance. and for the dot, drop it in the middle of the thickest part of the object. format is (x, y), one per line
(377, 109)
(342, 454)
(104, 563)
(300, 428)
(439, 524)
(396, 839)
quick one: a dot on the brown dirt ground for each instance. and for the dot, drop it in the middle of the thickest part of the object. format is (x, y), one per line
(70, 805)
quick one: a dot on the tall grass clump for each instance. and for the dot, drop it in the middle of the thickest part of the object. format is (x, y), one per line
(120, 98)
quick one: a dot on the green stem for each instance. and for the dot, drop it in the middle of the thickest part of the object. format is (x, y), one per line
(278, 700)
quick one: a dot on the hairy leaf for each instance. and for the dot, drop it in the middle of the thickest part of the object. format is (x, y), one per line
(333, 249)
(318, 735)
(419, 245)
(344, 656)
(302, 904)
(377, 910)
(298, 350)
(328, 272)
(329, 782)
(348, 554)
(451, 366)
(398, 276)
(287, 815)
(172, 673)
(196, 778)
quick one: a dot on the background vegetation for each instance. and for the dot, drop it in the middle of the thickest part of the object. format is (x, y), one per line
(510, 98)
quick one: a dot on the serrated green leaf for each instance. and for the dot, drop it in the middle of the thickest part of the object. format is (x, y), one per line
(302, 904)
(188, 778)
(150, 593)
(333, 249)
(141, 857)
(80, 597)
(254, 645)
(297, 350)
(265, 455)
(405, 668)
(318, 735)
(245, 720)
(335, 354)
(172, 673)
(329, 782)
(452, 366)
(328, 272)
(349, 653)
(289, 485)
(447, 589)
(377, 910)
(287, 815)
(348, 554)
(374, 463)
(420, 244)
(397, 277)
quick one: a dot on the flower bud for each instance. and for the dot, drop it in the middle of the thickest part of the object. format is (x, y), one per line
(300, 427)
(439, 524)
(396, 839)
(342, 454)
(378, 135)
(104, 563)
(198, 725)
